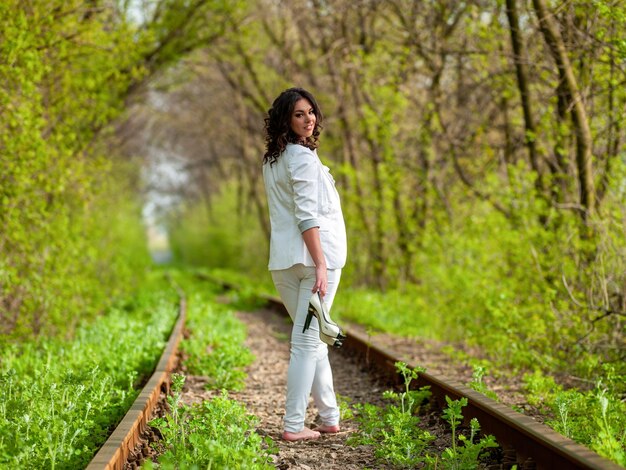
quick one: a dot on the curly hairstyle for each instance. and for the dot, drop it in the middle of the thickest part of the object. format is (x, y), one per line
(278, 131)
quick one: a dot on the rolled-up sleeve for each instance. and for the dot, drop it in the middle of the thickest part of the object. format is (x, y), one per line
(303, 169)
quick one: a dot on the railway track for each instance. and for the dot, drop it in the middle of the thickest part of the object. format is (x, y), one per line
(116, 450)
(533, 445)
(529, 444)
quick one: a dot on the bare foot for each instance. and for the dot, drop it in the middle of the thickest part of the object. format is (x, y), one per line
(306, 433)
(328, 429)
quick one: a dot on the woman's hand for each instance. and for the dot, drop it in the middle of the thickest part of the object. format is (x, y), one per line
(321, 280)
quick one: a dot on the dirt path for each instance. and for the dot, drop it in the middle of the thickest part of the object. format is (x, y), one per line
(264, 396)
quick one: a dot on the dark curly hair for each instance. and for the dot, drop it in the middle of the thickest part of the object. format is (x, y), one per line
(278, 131)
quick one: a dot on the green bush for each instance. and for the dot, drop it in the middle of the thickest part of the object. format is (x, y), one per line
(59, 399)
(63, 203)
(70, 222)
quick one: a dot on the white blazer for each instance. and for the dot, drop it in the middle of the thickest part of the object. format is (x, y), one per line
(301, 194)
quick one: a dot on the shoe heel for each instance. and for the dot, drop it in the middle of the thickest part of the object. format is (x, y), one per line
(307, 322)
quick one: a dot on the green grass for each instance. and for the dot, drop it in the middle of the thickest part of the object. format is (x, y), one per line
(60, 398)
(394, 311)
(214, 347)
(217, 433)
(220, 432)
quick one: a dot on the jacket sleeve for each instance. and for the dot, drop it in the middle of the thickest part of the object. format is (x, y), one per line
(303, 170)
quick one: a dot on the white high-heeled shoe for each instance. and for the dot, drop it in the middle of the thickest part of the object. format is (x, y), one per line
(330, 333)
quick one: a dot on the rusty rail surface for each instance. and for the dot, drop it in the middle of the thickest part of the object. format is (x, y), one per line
(533, 445)
(115, 451)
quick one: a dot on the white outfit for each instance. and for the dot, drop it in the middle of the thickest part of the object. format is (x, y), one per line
(301, 195)
(309, 370)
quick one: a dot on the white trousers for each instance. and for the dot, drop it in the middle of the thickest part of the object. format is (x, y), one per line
(309, 370)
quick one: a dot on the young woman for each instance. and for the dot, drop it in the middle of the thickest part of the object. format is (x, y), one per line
(307, 251)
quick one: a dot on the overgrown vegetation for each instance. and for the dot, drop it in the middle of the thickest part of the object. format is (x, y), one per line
(214, 346)
(201, 237)
(59, 399)
(591, 416)
(217, 433)
(596, 417)
(71, 236)
(478, 150)
(395, 433)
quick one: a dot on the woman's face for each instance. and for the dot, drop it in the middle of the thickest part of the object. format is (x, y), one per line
(303, 119)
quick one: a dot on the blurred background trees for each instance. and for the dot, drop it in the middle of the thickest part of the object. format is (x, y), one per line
(71, 234)
(478, 148)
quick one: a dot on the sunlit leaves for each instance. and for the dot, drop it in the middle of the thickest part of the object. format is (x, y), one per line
(67, 70)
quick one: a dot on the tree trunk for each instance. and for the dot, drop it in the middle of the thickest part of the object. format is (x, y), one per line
(584, 164)
(614, 132)
(520, 58)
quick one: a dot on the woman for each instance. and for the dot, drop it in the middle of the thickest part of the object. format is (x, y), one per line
(307, 251)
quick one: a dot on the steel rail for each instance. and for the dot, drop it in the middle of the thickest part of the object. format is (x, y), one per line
(535, 445)
(115, 451)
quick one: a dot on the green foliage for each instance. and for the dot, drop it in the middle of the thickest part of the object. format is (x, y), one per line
(345, 410)
(214, 346)
(216, 433)
(443, 209)
(244, 293)
(396, 435)
(464, 454)
(401, 311)
(59, 399)
(519, 290)
(54, 96)
(611, 439)
(70, 225)
(246, 298)
(453, 415)
(58, 228)
(242, 288)
(616, 16)
(410, 400)
(394, 431)
(595, 418)
(222, 236)
(479, 385)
